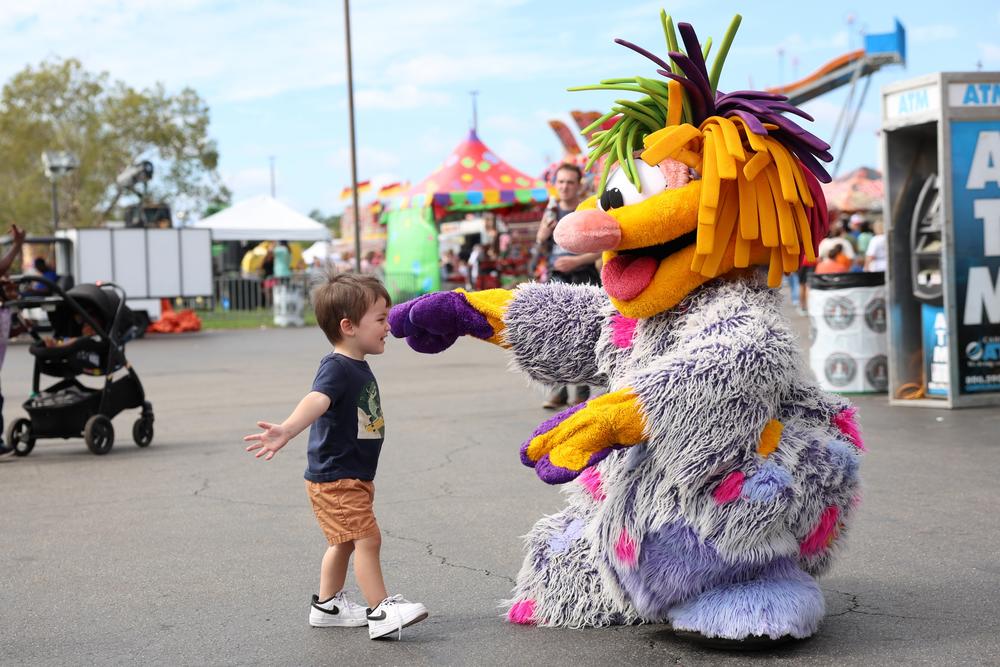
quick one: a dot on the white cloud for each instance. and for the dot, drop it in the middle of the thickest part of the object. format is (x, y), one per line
(369, 160)
(249, 182)
(923, 34)
(406, 96)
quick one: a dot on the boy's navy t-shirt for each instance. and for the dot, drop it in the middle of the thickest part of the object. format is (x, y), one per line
(344, 443)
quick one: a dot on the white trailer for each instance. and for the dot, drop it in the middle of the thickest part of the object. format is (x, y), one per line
(149, 264)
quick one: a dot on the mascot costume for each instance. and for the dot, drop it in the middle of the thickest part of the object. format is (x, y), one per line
(714, 480)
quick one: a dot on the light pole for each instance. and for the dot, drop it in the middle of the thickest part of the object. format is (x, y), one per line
(350, 122)
(57, 164)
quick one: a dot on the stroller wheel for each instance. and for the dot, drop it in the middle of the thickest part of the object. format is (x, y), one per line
(19, 437)
(142, 431)
(99, 434)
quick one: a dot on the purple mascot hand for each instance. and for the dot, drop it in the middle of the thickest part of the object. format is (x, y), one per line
(433, 322)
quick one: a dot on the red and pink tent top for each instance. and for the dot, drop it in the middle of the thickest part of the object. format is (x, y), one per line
(474, 178)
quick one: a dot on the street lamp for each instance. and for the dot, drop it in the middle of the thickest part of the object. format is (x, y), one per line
(57, 164)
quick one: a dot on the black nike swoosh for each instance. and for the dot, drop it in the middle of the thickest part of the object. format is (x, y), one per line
(332, 610)
(380, 617)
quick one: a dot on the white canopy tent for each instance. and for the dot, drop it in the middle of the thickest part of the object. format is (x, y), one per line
(262, 218)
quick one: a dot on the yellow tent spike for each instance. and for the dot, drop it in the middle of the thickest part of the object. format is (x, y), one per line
(724, 162)
(742, 258)
(748, 207)
(786, 223)
(753, 166)
(756, 141)
(766, 213)
(669, 143)
(802, 219)
(675, 102)
(774, 268)
(784, 163)
(724, 227)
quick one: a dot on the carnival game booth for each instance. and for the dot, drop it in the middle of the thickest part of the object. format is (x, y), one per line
(472, 179)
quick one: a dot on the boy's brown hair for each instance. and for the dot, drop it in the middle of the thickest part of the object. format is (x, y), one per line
(345, 295)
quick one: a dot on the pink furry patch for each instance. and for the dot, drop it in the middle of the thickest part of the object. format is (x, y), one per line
(823, 534)
(847, 423)
(625, 549)
(591, 480)
(730, 488)
(622, 330)
(676, 173)
(522, 612)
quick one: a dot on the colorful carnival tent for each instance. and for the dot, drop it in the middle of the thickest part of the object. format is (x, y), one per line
(860, 190)
(472, 179)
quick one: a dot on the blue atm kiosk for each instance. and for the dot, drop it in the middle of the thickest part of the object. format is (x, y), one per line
(941, 158)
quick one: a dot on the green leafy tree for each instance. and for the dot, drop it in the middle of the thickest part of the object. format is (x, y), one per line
(331, 221)
(108, 125)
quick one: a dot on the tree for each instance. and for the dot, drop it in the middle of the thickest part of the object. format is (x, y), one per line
(108, 125)
(331, 221)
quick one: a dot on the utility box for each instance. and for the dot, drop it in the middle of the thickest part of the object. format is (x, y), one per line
(941, 159)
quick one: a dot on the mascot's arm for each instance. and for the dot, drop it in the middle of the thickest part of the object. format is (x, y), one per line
(577, 438)
(552, 331)
(702, 405)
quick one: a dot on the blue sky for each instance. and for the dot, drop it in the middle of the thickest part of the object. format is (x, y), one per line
(273, 72)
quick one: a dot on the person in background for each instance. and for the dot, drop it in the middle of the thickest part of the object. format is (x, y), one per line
(564, 266)
(282, 260)
(17, 242)
(839, 236)
(861, 230)
(877, 253)
(833, 262)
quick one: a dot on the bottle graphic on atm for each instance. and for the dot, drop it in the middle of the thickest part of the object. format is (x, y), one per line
(928, 285)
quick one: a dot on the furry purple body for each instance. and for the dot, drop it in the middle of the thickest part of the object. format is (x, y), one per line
(647, 536)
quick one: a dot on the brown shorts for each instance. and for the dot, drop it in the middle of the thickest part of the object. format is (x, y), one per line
(344, 509)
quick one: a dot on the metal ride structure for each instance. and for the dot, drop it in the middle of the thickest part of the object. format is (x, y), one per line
(847, 70)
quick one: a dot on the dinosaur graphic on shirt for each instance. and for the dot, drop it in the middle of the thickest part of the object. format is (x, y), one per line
(371, 423)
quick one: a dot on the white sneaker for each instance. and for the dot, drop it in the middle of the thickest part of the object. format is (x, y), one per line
(337, 612)
(392, 615)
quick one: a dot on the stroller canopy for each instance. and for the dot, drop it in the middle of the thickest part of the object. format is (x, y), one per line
(101, 304)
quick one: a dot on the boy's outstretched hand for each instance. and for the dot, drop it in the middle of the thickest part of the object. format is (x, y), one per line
(267, 442)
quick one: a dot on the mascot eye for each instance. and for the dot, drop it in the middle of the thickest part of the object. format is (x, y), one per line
(619, 191)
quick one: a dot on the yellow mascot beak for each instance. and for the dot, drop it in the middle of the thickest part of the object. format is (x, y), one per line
(648, 248)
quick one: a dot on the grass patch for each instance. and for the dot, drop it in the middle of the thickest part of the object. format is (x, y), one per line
(244, 319)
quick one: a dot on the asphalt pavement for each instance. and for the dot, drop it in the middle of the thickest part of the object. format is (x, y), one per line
(191, 552)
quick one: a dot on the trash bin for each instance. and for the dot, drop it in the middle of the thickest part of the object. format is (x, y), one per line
(847, 317)
(289, 305)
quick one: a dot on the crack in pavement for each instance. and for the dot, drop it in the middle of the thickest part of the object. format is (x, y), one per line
(444, 559)
(447, 456)
(855, 608)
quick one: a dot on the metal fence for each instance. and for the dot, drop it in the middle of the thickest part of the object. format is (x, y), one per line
(250, 300)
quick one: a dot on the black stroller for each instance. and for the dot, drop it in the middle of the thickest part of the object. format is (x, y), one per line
(90, 325)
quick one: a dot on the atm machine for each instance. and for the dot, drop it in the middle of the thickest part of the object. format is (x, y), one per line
(941, 159)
